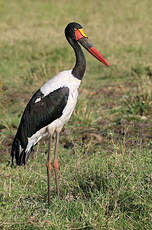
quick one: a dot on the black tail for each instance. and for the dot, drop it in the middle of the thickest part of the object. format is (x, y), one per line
(20, 154)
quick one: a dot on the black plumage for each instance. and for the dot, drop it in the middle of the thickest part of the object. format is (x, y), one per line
(39, 112)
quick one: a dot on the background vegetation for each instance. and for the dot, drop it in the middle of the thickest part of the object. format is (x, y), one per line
(105, 149)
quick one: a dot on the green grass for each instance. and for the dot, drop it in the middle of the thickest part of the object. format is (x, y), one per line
(105, 149)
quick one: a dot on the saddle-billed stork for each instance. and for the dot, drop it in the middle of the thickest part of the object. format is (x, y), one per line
(52, 105)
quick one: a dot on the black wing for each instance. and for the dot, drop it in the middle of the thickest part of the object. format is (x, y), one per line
(40, 114)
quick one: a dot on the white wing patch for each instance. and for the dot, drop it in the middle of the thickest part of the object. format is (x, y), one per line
(38, 99)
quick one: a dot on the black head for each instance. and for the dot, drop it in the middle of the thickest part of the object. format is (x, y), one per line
(71, 28)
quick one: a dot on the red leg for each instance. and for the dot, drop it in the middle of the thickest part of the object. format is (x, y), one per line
(55, 164)
(48, 165)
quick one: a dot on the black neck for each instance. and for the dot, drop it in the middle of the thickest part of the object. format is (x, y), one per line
(80, 66)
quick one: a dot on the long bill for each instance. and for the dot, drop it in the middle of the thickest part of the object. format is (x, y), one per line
(83, 40)
(91, 49)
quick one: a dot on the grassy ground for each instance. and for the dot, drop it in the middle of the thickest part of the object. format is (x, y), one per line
(105, 149)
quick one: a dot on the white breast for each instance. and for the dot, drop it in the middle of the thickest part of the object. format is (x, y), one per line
(62, 79)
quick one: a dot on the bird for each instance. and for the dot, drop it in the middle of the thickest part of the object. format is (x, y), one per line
(52, 105)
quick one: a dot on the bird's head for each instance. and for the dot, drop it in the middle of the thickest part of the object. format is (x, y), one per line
(71, 29)
(75, 32)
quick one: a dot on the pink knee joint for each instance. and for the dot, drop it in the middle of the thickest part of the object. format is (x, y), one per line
(48, 165)
(55, 165)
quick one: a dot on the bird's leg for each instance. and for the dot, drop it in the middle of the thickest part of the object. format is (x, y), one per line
(48, 165)
(55, 164)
